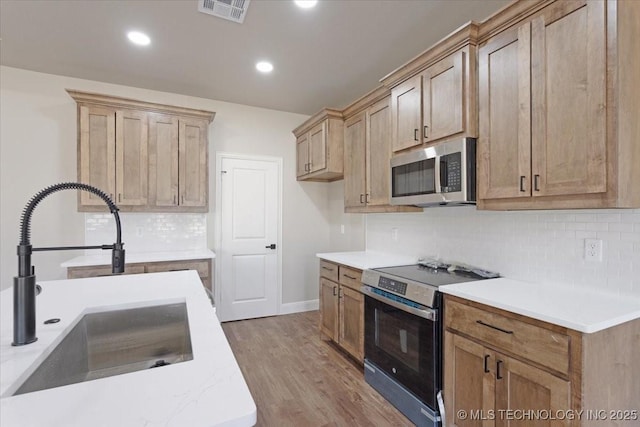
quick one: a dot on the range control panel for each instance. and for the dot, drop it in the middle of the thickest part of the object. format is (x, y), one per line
(392, 285)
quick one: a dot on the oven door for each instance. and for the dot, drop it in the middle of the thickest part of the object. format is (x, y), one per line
(405, 346)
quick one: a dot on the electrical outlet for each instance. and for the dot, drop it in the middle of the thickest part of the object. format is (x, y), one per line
(139, 231)
(593, 250)
(394, 234)
(342, 228)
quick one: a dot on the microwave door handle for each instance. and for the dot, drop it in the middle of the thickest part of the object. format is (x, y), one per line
(444, 173)
(437, 175)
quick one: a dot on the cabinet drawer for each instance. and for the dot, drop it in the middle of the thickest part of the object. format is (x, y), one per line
(202, 267)
(350, 277)
(535, 343)
(329, 270)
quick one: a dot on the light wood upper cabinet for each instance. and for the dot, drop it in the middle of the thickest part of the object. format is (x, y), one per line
(367, 148)
(433, 97)
(319, 147)
(556, 126)
(443, 98)
(113, 155)
(504, 146)
(147, 157)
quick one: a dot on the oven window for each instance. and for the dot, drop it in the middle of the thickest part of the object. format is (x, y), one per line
(414, 178)
(399, 339)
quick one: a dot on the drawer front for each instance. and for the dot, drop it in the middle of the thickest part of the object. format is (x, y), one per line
(329, 270)
(202, 267)
(350, 277)
(83, 272)
(535, 343)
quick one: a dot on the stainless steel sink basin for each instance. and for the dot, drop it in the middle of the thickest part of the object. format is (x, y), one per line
(115, 342)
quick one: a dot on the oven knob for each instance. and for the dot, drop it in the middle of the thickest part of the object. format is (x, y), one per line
(393, 370)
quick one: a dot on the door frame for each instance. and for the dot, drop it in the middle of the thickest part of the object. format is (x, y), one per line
(220, 155)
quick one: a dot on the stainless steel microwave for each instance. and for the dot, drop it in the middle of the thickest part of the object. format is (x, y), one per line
(441, 174)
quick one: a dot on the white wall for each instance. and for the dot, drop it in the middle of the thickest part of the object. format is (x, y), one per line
(38, 148)
(536, 246)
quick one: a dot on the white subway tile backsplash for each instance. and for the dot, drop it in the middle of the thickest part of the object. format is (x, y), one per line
(534, 245)
(149, 232)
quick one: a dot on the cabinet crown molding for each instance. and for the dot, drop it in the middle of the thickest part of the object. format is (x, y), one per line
(366, 101)
(119, 102)
(465, 35)
(327, 113)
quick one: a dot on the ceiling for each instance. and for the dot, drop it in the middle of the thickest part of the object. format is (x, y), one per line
(327, 56)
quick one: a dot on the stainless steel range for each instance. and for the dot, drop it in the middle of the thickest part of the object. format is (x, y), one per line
(403, 336)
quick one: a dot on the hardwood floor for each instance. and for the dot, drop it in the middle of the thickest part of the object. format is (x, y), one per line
(297, 379)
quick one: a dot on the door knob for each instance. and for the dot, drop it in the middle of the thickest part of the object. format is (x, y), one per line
(271, 246)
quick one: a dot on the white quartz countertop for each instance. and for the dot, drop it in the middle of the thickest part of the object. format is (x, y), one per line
(367, 259)
(579, 309)
(104, 257)
(208, 390)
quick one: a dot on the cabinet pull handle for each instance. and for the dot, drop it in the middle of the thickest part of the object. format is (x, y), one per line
(327, 268)
(180, 269)
(522, 178)
(415, 134)
(349, 277)
(111, 196)
(306, 167)
(498, 375)
(340, 293)
(536, 179)
(367, 198)
(486, 364)
(334, 291)
(361, 195)
(493, 327)
(309, 170)
(119, 197)
(182, 199)
(425, 131)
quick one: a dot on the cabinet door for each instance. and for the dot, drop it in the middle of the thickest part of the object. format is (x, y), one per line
(318, 147)
(163, 160)
(351, 322)
(504, 146)
(378, 151)
(329, 308)
(469, 382)
(131, 157)
(302, 155)
(406, 114)
(354, 161)
(522, 387)
(443, 98)
(97, 153)
(192, 162)
(568, 95)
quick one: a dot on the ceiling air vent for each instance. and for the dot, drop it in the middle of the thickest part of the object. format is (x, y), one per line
(232, 10)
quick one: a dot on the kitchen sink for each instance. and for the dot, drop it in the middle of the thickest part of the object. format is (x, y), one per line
(115, 342)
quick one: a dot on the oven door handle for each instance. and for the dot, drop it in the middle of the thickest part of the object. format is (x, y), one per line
(425, 313)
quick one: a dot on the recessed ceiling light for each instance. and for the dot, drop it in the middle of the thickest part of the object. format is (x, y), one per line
(306, 4)
(138, 38)
(264, 67)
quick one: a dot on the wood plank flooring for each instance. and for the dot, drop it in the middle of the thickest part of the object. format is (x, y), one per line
(297, 379)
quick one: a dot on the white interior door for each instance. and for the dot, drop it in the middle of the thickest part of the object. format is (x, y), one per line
(249, 247)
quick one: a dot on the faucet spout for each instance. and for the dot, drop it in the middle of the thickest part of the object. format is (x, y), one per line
(24, 285)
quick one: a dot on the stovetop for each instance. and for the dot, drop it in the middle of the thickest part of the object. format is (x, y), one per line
(427, 275)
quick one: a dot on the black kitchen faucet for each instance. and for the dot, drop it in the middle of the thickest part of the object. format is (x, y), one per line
(24, 285)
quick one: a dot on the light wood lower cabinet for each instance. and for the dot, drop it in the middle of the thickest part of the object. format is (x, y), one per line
(202, 266)
(342, 307)
(500, 368)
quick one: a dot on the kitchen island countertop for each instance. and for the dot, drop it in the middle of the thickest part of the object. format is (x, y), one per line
(208, 390)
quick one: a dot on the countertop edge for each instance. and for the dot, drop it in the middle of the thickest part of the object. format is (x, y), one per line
(140, 257)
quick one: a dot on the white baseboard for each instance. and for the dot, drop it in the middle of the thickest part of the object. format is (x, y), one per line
(299, 307)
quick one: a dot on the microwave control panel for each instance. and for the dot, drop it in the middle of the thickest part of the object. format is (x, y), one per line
(392, 285)
(451, 172)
